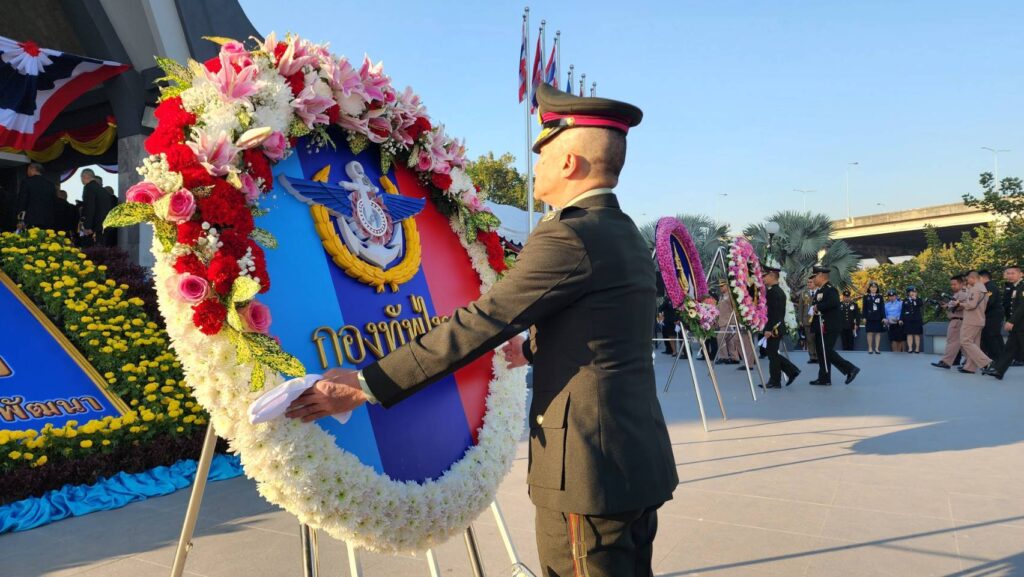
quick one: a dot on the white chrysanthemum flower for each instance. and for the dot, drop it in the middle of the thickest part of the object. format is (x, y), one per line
(272, 102)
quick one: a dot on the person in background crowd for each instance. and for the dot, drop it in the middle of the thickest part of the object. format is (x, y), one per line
(893, 310)
(668, 325)
(912, 319)
(806, 318)
(66, 215)
(110, 234)
(1007, 311)
(851, 321)
(973, 324)
(873, 310)
(728, 341)
(95, 206)
(992, 334)
(8, 209)
(711, 344)
(955, 312)
(37, 199)
(1014, 323)
(775, 330)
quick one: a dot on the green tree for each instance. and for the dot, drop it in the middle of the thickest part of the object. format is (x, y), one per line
(707, 234)
(1007, 202)
(498, 179)
(804, 239)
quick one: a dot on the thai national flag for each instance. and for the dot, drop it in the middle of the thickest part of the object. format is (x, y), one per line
(522, 66)
(536, 77)
(37, 83)
(551, 70)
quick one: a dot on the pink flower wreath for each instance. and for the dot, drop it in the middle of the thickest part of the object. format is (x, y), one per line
(744, 274)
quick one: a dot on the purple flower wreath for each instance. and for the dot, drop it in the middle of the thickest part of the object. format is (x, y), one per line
(666, 229)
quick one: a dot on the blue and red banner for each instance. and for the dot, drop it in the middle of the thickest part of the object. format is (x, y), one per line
(327, 318)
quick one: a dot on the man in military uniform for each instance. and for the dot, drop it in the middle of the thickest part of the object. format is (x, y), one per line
(851, 320)
(728, 337)
(601, 461)
(806, 321)
(826, 326)
(775, 330)
(992, 334)
(1014, 324)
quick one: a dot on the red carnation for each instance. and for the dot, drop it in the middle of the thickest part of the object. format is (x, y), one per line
(234, 243)
(189, 232)
(441, 181)
(333, 114)
(279, 51)
(225, 207)
(180, 156)
(259, 166)
(172, 114)
(209, 316)
(190, 263)
(223, 271)
(260, 260)
(194, 176)
(421, 125)
(297, 82)
(495, 252)
(213, 64)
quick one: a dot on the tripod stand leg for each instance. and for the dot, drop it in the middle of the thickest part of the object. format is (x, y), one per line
(474, 552)
(757, 360)
(310, 553)
(672, 371)
(355, 568)
(435, 571)
(746, 365)
(714, 379)
(194, 501)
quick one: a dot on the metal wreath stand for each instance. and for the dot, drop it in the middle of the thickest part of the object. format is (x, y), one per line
(308, 535)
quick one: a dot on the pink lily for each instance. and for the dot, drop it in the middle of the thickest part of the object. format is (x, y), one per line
(375, 83)
(295, 57)
(216, 153)
(311, 108)
(233, 85)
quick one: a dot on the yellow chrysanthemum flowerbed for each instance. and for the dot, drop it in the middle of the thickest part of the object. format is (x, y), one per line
(131, 352)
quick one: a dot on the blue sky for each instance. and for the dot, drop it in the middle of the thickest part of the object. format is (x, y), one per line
(746, 99)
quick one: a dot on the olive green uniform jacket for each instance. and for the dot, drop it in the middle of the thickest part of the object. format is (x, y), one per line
(584, 285)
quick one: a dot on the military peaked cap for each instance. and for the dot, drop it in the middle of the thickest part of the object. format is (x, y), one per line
(821, 269)
(560, 111)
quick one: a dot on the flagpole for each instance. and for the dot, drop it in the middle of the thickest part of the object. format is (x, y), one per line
(529, 124)
(568, 83)
(593, 89)
(545, 207)
(583, 82)
(558, 52)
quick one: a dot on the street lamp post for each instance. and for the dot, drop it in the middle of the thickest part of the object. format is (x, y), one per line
(848, 165)
(995, 161)
(805, 193)
(772, 228)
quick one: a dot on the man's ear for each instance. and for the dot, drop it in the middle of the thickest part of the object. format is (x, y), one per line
(569, 164)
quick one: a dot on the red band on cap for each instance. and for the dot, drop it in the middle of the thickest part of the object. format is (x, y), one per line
(580, 120)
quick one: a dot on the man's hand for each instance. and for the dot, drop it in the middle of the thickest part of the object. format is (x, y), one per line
(338, 392)
(513, 350)
(1009, 327)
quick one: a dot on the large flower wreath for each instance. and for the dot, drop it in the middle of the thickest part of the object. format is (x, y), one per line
(747, 284)
(699, 317)
(222, 124)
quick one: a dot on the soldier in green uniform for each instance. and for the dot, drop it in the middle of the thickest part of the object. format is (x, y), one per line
(601, 461)
(826, 326)
(775, 330)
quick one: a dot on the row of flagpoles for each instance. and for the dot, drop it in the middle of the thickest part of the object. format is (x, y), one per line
(542, 72)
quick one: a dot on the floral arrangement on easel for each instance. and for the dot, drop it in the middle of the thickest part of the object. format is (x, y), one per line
(222, 125)
(747, 285)
(698, 317)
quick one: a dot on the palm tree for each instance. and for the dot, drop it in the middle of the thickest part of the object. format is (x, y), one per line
(707, 234)
(803, 240)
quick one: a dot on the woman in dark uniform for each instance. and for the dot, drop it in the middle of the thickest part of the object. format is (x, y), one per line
(873, 310)
(912, 317)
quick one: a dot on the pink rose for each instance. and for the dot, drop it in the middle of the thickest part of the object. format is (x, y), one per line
(249, 187)
(275, 146)
(182, 206)
(190, 288)
(424, 162)
(474, 203)
(144, 192)
(256, 316)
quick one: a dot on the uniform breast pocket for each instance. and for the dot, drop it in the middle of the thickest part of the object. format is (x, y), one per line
(547, 442)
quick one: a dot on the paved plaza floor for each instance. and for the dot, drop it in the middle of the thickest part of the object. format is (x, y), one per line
(910, 471)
